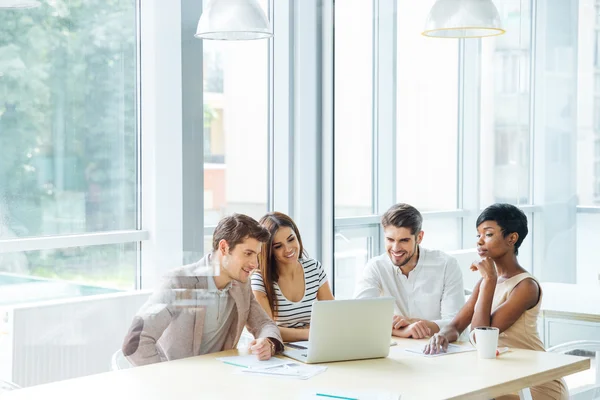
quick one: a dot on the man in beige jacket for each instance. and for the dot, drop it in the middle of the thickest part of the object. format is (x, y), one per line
(193, 314)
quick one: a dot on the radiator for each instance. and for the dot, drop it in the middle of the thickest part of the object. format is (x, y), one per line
(54, 340)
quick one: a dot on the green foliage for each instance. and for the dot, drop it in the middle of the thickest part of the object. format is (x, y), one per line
(68, 115)
(68, 105)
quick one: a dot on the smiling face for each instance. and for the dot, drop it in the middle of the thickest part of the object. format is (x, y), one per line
(491, 241)
(285, 246)
(401, 245)
(238, 263)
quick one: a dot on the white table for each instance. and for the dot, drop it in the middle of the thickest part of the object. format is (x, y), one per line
(453, 376)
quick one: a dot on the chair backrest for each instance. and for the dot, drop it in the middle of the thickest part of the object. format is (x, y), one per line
(465, 258)
(6, 386)
(591, 390)
(119, 361)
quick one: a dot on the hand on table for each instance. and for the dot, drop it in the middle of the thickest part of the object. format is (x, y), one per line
(437, 344)
(416, 330)
(399, 322)
(262, 348)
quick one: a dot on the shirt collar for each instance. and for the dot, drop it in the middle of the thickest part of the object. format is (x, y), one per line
(213, 288)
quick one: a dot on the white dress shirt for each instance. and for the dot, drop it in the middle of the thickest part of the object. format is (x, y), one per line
(433, 290)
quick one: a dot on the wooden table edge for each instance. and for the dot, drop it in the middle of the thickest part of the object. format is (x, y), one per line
(517, 384)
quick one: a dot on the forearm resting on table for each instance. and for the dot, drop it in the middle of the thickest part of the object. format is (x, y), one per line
(294, 334)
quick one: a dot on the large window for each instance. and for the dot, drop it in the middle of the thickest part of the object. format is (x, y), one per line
(427, 113)
(236, 127)
(588, 105)
(68, 135)
(353, 111)
(588, 141)
(505, 100)
(493, 120)
(70, 226)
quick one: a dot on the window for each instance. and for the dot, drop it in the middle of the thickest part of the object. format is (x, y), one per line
(68, 119)
(427, 113)
(588, 109)
(69, 189)
(68, 135)
(236, 127)
(504, 140)
(40, 274)
(442, 234)
(353, 111)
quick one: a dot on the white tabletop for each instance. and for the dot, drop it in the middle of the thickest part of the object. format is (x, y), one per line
(412, 376)
(571, 299)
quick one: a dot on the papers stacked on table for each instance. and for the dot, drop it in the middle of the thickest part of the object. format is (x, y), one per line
(279, 367)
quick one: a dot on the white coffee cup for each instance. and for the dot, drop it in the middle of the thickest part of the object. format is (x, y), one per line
(485, 340)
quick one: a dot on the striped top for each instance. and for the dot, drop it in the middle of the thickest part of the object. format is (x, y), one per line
(296, 314)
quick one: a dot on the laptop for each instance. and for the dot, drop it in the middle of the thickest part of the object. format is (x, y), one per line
(343, 330)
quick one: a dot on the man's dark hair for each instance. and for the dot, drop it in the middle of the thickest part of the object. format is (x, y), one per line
(236, 228)
(509, 218)
(403, 215)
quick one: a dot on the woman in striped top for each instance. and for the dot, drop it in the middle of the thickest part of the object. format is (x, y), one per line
(288, 281)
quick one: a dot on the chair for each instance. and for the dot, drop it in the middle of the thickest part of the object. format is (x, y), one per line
(6, 386)
(592, 390)
(119, 361)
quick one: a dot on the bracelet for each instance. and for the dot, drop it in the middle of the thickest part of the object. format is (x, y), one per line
(272, 346)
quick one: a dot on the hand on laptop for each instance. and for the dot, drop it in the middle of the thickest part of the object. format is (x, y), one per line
(416, 330)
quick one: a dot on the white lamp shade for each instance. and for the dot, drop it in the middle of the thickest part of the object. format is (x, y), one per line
(19, 3)
(463, 19)
(233, 20)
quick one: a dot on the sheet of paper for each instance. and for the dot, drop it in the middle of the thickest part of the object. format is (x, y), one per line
(290, 369)
(452, 349)
(250, 361)
(331, 394)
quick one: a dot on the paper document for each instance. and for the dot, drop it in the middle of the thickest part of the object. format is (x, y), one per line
(290, 369)
(452, 349)
(333, 394)
(250, 361)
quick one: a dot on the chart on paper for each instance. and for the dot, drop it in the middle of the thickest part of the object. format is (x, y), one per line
(452, 349)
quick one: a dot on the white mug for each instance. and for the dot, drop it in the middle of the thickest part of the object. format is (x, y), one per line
(485, 340)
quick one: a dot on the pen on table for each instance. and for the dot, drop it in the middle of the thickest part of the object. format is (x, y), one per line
(234, 364)
(284, 366)
(501, 350)
(332, 396)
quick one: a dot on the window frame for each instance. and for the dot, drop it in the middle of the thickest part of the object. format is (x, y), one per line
(141, 234)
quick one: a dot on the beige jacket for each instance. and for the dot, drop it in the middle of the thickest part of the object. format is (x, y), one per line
(170, 325)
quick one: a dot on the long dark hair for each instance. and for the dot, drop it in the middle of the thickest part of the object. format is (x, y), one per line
(268, 268)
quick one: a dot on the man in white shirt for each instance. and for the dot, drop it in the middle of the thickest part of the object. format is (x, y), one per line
(427, 285)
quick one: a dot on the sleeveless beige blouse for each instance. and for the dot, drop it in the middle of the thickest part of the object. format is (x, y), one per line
(523, 334)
